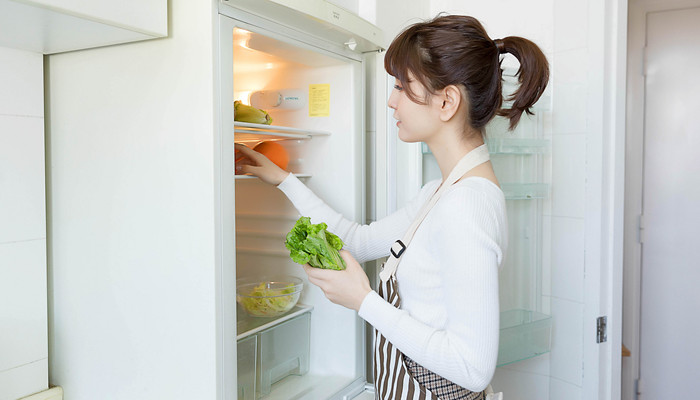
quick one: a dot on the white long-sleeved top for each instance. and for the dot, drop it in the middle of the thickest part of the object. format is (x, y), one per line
(447, 278)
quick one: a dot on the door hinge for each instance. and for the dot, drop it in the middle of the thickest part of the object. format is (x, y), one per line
(601, 331)
(640, 228)
(638, 388)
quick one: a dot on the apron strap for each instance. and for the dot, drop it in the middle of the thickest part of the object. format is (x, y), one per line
(470, 160)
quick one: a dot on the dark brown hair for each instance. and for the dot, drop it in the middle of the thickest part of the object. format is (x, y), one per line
(455, 50)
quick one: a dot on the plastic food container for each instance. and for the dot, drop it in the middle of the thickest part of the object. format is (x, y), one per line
(268, 296)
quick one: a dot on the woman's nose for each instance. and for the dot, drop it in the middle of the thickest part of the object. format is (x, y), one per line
(392, 100)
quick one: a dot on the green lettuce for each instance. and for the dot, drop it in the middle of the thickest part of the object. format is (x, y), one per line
(314, 245)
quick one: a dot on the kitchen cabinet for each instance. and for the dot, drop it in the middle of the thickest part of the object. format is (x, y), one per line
(56, 26)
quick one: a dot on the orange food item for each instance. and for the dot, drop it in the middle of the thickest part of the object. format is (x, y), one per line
(275, 152)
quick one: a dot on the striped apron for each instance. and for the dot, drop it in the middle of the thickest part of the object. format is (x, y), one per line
(396, 377)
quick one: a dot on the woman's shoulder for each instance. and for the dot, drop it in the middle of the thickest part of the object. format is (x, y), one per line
(431, 186)
(478, 186)
(472, 206)
(473, 197)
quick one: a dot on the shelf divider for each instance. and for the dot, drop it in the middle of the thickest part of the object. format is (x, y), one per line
(247, 325)
(249, 132)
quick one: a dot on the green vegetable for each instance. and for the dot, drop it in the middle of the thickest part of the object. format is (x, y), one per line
(313, 244)
(263, 301)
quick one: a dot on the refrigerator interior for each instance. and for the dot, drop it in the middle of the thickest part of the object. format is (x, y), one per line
(317, 349)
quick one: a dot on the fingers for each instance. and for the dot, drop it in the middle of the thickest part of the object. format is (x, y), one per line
(246, 152)
(349, 259)
(318, 274)
(314, 278)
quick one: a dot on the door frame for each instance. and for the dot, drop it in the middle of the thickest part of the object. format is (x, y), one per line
(634, 174)
(604, 212)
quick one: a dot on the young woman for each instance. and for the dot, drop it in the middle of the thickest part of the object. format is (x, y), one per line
(436, 317)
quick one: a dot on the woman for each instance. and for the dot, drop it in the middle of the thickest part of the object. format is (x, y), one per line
(436, 317)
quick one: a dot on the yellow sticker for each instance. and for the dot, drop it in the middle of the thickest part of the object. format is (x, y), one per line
(320, 100)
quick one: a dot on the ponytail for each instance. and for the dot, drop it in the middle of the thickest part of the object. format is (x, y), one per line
(533, 75)
(455, 50)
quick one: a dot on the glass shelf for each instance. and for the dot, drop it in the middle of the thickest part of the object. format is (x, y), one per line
(510, 146)
(247, 325)
(525, 191)
(246, 132)
(300, 176)
(523, 334)
(517, 146)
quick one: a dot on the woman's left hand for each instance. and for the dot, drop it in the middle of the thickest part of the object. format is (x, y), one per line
(347, 287)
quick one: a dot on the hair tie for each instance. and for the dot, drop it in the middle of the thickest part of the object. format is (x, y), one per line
(500, 46)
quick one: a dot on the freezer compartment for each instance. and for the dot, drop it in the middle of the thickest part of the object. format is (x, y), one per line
(283, 351)
(524, 334)
(247, 364)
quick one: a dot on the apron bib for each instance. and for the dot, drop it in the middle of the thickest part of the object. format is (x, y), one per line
(397, 377)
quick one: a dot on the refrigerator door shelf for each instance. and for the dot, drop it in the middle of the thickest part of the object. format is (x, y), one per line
(525, 191)
(524, 334)
(515, 146)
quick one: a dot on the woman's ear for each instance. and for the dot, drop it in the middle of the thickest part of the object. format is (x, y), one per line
(450, 99)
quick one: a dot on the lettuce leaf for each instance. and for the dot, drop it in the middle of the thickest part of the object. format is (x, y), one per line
(312, 244)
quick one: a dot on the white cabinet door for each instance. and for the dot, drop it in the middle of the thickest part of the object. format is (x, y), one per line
(147, 16)
(57, 26)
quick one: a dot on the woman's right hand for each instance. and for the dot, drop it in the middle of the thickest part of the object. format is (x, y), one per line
(249, 161)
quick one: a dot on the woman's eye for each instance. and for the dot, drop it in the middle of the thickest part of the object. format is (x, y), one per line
(398, 87)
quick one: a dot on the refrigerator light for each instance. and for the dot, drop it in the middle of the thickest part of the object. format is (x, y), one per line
(283, 99)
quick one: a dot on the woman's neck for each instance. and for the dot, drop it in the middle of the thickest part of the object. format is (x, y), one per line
(449, 147)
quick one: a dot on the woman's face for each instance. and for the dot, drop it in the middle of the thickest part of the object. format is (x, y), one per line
(416, 122)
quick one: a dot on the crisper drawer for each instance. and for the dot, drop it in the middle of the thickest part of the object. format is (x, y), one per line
(247, 362)
(283, 350)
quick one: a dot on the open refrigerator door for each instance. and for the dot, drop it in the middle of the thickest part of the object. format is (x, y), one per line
(312, 94)
(521, 160)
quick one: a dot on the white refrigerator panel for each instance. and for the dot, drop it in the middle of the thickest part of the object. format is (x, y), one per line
(131, 208)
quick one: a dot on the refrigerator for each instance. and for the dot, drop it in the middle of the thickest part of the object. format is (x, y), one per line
(316, 94)
(150, 227)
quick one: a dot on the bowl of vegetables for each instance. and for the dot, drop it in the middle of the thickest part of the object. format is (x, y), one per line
(268, 296)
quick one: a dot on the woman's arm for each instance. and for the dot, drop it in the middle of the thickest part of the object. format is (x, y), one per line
(365, 242)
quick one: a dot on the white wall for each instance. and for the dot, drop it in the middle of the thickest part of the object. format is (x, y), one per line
(23, 331)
